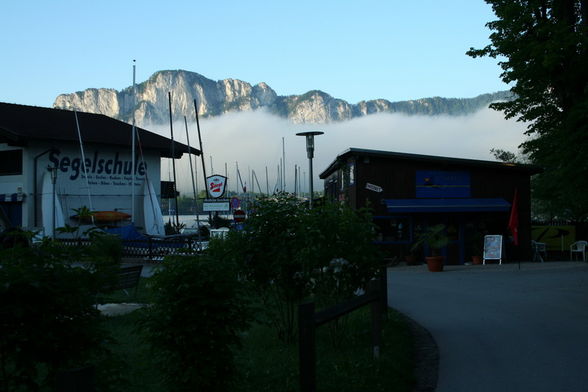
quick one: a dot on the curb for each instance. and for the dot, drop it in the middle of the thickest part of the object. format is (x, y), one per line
(426, 357)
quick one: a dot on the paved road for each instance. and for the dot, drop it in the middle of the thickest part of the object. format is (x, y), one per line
(501, 329)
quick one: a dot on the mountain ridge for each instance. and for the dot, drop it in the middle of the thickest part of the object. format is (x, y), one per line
(230, 95)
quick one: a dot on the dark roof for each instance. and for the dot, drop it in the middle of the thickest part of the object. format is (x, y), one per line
(20, 124)
(529, 169)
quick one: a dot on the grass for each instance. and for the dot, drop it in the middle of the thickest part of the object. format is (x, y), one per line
(141, 371)
(140, 294)
(343, 364)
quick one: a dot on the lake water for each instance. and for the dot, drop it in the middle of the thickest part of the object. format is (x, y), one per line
(190, 220)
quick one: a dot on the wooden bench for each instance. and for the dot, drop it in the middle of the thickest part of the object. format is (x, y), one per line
(128, 278)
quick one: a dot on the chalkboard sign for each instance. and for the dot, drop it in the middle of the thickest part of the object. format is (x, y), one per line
(493, 248)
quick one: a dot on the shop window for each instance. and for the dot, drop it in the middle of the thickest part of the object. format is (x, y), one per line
(393, 229)
(351, 173)
(10, 162)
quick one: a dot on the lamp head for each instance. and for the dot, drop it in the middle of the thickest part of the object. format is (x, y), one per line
(310, 141)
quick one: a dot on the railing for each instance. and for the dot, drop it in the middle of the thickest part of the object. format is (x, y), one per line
(149, 248)
(309, 320)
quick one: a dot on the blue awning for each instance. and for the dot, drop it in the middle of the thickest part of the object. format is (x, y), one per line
(447, 205)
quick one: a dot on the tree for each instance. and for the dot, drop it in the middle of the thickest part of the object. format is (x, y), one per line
(289, 253)
(503, 155)
(543, 49)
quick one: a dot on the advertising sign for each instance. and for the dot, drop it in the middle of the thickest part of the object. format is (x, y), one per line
(493, 248)
(211, 205)
(216, 185)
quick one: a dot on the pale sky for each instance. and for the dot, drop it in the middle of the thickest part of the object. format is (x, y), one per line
(353, 50)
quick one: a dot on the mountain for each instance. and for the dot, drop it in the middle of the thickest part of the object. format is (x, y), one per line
(229, 95)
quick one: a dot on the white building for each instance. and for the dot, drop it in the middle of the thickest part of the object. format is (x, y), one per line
(36, 142)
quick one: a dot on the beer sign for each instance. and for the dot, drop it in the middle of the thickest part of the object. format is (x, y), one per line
(215, 185)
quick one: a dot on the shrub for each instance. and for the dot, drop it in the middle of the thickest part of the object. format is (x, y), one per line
(104, 255)
(194, 322)
(266, 251)
(290, 252)
(48, 320)
(338, 242)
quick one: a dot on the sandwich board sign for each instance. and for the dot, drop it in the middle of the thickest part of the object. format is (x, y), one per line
(493, 248)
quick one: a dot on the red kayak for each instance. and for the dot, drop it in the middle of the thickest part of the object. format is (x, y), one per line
(105, 216)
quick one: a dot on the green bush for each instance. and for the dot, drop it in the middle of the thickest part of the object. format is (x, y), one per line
(104, 257)
(289, 252)
(266, 251)
(337, 242)
(48, 321)
(199, 309)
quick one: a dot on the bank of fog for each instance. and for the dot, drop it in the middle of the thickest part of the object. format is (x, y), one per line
(253, 141)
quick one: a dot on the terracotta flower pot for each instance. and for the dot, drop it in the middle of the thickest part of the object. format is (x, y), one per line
(476, 260)
(435, 263)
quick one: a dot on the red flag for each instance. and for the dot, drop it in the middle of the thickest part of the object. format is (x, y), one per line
(513, 221)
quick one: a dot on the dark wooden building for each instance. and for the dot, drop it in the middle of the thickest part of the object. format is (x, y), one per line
(408, 192)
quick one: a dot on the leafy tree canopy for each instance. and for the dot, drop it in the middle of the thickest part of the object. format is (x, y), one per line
(542, 46)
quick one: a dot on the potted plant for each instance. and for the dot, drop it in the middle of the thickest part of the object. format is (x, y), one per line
(434, 238)
(412, 256)
(476, 245)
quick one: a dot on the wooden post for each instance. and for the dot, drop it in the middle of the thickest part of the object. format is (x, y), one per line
(384, 293)
(76, 380)
(376, 312)
(306, 347)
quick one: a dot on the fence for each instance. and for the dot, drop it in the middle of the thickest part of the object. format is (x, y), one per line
(309, 320)
(149, 248)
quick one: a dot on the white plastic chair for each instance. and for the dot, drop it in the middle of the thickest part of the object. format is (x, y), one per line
(539, 248)
(578, 247)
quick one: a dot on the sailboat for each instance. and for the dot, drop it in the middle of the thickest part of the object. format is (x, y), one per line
(152, 211)
(50, 206)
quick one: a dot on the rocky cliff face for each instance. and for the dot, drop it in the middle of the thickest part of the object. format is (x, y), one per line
(215, 98)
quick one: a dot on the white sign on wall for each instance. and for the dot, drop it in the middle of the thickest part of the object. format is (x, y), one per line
(105, 170)
(374, 188)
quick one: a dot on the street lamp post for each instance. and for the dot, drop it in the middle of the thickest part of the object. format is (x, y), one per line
(310, 153)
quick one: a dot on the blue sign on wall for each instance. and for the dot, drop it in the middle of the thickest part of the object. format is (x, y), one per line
(442, 184)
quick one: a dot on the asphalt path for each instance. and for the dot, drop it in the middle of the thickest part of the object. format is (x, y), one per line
(499, 328)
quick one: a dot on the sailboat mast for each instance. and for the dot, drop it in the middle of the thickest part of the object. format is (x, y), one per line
(84, 163)
(201, 146)
(133, 150)
(241, 180)
(237, 177)
(193, 181)
(295, 180)
(283, 165)
(266, 181)
(257, 181)
(171, 127)
(280, 175)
